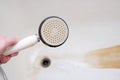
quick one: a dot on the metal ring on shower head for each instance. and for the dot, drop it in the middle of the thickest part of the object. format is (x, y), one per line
(53, 31)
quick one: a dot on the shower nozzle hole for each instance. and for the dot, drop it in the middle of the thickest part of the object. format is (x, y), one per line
(45, 62)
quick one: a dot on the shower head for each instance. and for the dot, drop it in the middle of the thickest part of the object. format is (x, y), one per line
(53, 31)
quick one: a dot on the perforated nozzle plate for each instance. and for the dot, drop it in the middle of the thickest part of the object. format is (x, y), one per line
(53, 31)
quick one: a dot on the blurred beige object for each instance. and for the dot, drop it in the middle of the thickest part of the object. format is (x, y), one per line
(104, 58)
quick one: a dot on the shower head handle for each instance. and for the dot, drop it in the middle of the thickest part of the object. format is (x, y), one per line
(23, 44)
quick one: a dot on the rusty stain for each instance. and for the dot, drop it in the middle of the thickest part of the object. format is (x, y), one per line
(104, 58)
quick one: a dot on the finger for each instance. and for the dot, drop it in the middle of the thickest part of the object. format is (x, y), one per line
(2, 44)
(4, 59)
(14, 54)
(11, 41)
(6, 42)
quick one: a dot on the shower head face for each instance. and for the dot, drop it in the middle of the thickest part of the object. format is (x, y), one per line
(53, 31)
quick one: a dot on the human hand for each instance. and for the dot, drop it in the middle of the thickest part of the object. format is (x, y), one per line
(4, 44)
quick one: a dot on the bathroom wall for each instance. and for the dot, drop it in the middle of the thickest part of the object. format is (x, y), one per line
(93, 24)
